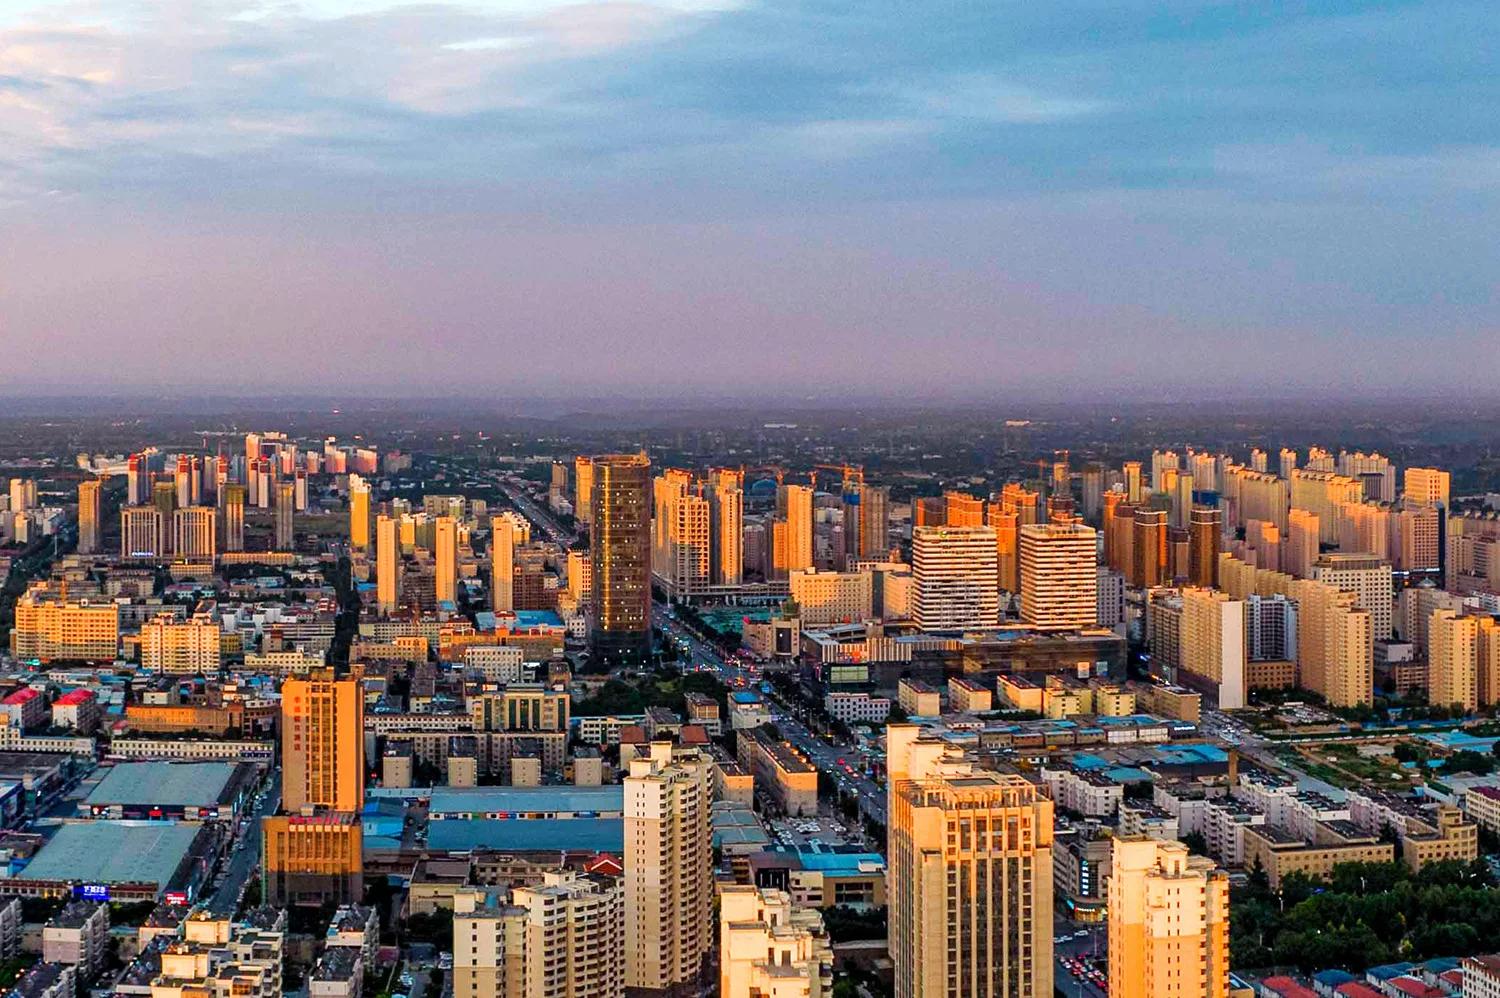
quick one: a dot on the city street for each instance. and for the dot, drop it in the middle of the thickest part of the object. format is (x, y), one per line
(246, 857)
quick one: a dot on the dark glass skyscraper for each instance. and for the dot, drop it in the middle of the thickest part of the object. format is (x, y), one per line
(621, 551)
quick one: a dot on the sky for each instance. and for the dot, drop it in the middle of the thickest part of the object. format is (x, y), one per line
(751, 198)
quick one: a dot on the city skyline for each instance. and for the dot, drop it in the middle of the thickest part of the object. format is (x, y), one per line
(1061, 197)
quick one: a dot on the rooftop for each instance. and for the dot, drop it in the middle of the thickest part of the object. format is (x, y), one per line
(583, 801)
(536, 834)
(170, 783)
(113, 852)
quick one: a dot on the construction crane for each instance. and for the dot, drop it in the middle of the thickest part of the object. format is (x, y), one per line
(851, 472)
(780, 471)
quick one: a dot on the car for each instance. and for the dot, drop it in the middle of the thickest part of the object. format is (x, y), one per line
(1060, 939)
(1081, 934)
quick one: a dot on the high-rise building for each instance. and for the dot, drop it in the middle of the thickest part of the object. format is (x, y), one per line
(1288, 462)
(142, 534)
(509, 530)
(1168, 922)
(963, 510)
(955, 580)
(1323, 493)
(1370, 581)
(1428, 485)
(1453, 660)
(1205, 538)
(1149, 548)
(49, 628)
(668, 867)
(799, 526)
(1259, 461)
(164, 498)
(1258, 496)
(681, 536)
(359, 513)
(1212, 646)
(195, 533)
(1300, 548)
(182, 480)
(1415, 536)
(1059, 576)
(286, 505)
(445, 558)
(874, 521)
(22, 494)
(1007, 546)
(1367, 528)
(621, 510)
(726, 527)
(769, 946)
(1370, 468)
(137, 480)
(313, 850)
(970, 880)
(1161, 463)
(181, 647)
(1182, 501)
(1093, 492)
(583, 489)
(90, 526)
(1024, 502)
(387, 563)
(1134, 489)
(234, 518)
(561, 937)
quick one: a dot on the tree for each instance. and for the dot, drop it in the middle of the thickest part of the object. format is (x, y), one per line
(1196, 843)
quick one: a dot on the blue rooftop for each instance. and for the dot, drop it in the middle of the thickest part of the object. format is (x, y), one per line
(1389, 970)
(1129, 774)
(1333, 978)
(839, 862)
(1086, 761)
(527, 800)
(598, 834)
(1183, 755)
(744, 696)
(538, 618)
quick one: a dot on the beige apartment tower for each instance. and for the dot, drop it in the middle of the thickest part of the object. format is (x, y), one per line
(359, 513)
(1428, 485)
(445, 558)
(955, 584)
(583, 489)
(507, 530)
(726, 511)
(668, 870)
(1059, 576)
(387, 563)
(769, 947)
(90, 529)
(1168, 922)
(234, 518)
(970, 882)
(195, 533)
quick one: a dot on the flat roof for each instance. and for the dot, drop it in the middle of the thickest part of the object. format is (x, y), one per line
(113, 852)
(524, 835)
(483, 800)
(144, 783)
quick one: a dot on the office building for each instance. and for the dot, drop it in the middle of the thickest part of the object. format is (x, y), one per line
(955, 583)
(833, 597)
(507, 531)
(1005, 523)
(771, 947)
(313, 849)
(1168, 922)
(49, 628)
(142, 534)
(234, 518)
(90, 527)
(668, 868)
(284, 538)
(583, 490)
(387, 563)
(195, 533)
(1059, 576)
(445, 558)
(621, 510)
(954, 824)
(798, 501)
(359, 513)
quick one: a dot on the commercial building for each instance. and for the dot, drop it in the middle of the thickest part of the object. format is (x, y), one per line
(1427, 485)
(1168, 922)
(668, 869)
(314, 849)
(832, 597)
(770, 947)
(127, 860)
(90, 510)
(620, 507)
(49, 628)
(955, 582)
(856, 708)
(191, 791)
(951, 823)
(781, 770)
(1059, 576)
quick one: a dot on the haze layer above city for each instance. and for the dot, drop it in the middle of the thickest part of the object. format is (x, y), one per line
(737, 196)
